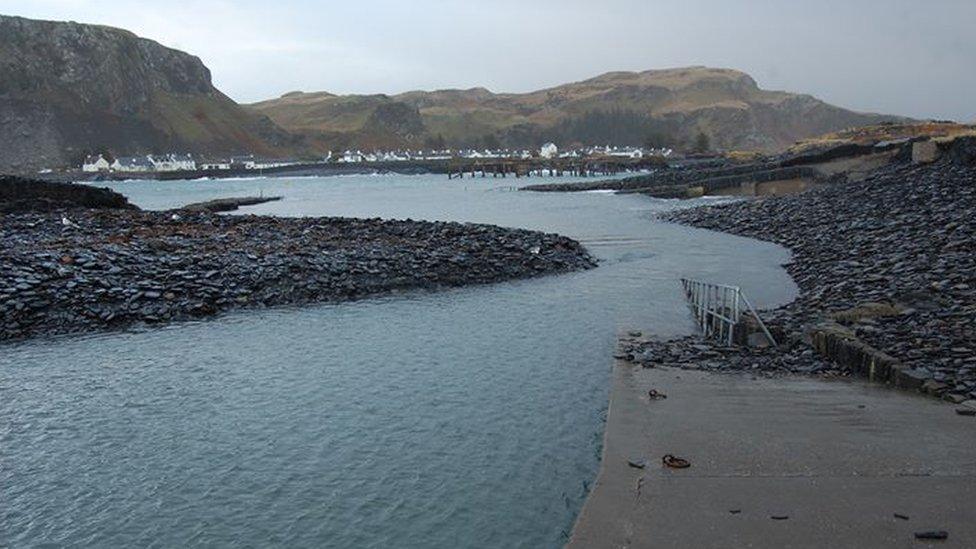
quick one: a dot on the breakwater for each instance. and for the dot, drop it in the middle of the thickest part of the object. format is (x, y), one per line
(688, 181)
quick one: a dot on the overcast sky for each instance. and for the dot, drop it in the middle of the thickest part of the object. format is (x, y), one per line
(915, 58)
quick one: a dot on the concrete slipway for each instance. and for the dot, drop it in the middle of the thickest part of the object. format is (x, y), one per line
(839, 458)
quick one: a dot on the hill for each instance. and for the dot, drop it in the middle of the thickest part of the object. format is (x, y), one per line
(660, 107)
(68, 90)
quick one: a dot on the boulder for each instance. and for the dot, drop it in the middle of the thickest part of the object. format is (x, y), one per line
(925, 152)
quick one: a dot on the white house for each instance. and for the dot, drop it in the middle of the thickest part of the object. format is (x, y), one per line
(549, 150)
(350, 157)
(95, 164)
(627, 152)
(246, 162)
(174, 163)
(393, 156)
(214, 165)
(133, 164)
(265, 164)
(445, 154)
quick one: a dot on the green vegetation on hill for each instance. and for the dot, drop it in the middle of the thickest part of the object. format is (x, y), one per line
(662, 108)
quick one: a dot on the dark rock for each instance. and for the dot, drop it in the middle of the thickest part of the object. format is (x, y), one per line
(122, 267)
(227, 204)
(932, 535)
(895, 253)
(19, 195)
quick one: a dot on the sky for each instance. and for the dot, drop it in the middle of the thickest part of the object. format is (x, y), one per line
(915, 58)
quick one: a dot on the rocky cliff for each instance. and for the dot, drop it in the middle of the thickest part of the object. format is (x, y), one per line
(68, 90)
(666, 107)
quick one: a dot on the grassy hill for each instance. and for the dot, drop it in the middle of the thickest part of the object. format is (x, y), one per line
(667, 107)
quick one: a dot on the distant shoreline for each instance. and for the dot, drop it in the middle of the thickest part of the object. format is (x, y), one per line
(458, 168)
(307, 169)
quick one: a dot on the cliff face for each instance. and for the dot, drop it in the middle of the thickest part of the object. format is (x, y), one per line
(625, 108)
(67, 90)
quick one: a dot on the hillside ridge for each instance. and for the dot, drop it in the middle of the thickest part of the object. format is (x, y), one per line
(670, 106)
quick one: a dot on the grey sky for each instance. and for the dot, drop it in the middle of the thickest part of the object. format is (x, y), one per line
(915, 58)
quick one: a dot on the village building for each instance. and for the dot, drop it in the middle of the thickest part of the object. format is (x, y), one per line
(264, 164)
(214, 165)
(133, 164)
(174, 163)
(393, 156)
(95, 163)
(351, 157)
(445, 154)
(246, 162)
(549, 150)
(627, 152)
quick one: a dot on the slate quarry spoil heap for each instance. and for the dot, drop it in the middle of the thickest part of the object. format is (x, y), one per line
(71, 270)
(888, 262)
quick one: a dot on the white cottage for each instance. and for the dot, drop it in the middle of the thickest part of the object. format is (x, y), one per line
(351, 157)
(214, 165)
(549, 150)
(133, 164)
(95, 164)
(627, 152)
(174, 163)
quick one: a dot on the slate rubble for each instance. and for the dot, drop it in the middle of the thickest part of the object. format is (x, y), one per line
(889, 261)
(80, 270)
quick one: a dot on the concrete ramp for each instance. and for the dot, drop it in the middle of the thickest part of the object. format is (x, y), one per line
(832, 461)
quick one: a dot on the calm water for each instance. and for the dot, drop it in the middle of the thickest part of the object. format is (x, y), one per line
(467, 418)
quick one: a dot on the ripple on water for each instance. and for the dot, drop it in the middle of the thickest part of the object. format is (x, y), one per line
(470, 417)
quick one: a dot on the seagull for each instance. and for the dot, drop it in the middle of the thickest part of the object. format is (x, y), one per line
(67, 222)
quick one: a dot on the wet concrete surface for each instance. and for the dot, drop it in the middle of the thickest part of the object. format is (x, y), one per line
(839, 458)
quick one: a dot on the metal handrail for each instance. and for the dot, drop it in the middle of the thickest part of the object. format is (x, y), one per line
(718, 308)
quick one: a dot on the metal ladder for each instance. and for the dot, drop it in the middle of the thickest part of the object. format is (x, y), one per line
(717, 309)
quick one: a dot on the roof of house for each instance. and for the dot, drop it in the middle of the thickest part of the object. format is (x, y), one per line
(134, 161)
(173, 158)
